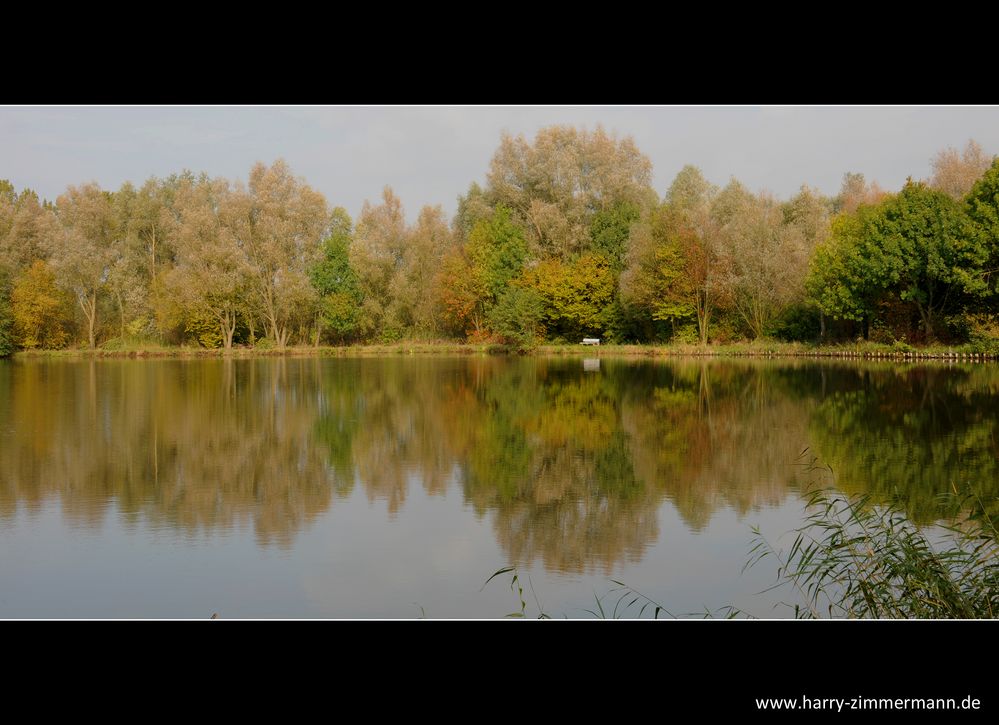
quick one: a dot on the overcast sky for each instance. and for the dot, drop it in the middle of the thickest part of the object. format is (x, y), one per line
(429, 155)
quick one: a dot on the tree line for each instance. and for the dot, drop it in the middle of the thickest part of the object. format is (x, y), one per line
(567, 238)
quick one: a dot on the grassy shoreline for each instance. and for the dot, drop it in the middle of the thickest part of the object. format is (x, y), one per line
(762, 349)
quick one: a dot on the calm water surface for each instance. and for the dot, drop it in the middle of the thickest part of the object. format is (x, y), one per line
(394, 487)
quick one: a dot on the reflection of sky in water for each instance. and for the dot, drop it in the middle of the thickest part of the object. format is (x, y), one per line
(350, 488)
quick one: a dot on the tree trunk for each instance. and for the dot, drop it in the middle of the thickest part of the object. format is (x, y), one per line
(822, 326)
(228, 324)
(121, 315)
(89, 307)
(926, 316)
(152, 250)
(703, 317)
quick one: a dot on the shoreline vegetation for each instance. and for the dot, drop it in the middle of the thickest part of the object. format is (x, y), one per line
(567, 239)
(755, 349)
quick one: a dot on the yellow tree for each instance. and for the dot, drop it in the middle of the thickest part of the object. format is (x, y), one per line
(39, 309)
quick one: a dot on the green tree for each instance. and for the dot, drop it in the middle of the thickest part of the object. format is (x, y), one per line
(336, 282)
(982, 209)
(919, 249)
(516, 316)
(610, 229)
(497, 250)
(839, 281)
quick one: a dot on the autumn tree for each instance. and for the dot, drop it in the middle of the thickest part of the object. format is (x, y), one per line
(557, 184)
(955, 173)
(413, 300)
(279, 221)
(212, 274)
(7, 342)
(27, 227)
(676, 262)
(472, 277)
(377, 255)
(767, 259)
(145, 218)
(130, 275)
(38, 309)
(460, 293)
(575, 295)
(83, 253)
(856, 191)
(668, 272)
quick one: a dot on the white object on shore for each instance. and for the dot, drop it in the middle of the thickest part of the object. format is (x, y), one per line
(591, 341)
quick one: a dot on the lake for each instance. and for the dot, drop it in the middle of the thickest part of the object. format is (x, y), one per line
(394, 487)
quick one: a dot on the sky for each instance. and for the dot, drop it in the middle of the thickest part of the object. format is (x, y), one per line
(430, 154)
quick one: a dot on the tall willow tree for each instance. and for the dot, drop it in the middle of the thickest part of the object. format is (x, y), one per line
(675, 263)
(83, 252)
(954, 174)
(27, 227)
(212, 275)
(413, 297)
(766, 254)
(377, 254)
(279, 221)
(557, 184)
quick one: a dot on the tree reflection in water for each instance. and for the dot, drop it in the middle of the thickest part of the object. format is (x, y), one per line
(571, 463)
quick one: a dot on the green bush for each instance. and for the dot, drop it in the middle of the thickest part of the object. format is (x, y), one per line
(686, 335)
(516, 317)
(389, 335)
(204, 329)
